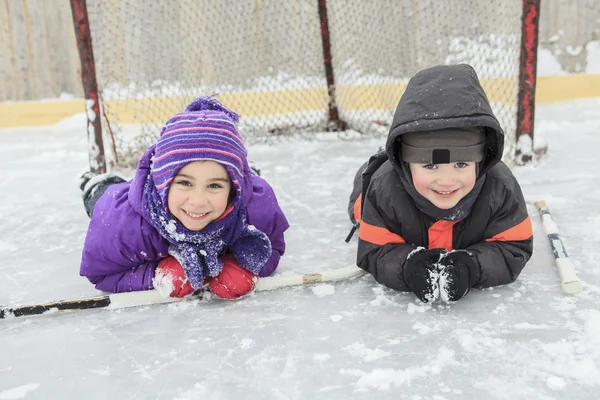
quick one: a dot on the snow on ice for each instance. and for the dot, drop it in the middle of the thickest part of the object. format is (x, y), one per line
(351, 339)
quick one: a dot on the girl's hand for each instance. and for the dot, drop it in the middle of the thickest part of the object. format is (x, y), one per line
(170, 279)
(234, 281)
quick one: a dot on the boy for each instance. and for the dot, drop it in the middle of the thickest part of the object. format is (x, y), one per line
(439, 213)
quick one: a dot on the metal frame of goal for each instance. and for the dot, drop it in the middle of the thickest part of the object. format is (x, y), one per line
(293, 67)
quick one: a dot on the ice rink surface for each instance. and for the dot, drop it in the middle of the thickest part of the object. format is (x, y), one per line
(352, 339)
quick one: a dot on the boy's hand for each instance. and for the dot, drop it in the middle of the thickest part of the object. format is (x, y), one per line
(421, 273)
(170, 279)
(233, 282)
(458, 273)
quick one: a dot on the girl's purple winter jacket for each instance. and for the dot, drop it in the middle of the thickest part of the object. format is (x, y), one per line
(122, 248)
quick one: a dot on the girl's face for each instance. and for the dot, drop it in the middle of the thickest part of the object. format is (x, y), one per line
(199, 194)
(444, 184)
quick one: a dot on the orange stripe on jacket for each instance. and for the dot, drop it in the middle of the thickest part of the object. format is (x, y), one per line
(522, 231)
(357, 208)
(440, 235)
(377, 235)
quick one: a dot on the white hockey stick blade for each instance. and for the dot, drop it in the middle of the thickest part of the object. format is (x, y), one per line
(569, 282)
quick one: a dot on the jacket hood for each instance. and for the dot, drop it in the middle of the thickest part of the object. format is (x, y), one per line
(446, 96)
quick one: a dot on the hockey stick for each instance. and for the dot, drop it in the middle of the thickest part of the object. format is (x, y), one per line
(568, 279)
(146, 297)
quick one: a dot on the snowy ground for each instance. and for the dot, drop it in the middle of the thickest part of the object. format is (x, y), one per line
(353, 339)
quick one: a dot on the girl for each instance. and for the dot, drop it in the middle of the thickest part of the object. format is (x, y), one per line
(193, 214)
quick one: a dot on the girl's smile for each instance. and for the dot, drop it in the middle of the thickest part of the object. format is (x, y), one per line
(199, 194)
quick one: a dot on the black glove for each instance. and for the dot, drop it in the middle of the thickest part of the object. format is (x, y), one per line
(458, 274)
(421, 273)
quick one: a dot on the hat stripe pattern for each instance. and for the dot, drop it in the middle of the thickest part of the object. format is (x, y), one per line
(173, 153)
(212, 140)
(206, 128)
(198, 134)
(216, 119)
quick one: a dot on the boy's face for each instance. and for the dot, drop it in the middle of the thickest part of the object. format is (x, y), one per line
(444, 184)
(198, 194)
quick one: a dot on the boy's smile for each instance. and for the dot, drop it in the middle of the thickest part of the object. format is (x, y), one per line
(444, 185)
(446, 194)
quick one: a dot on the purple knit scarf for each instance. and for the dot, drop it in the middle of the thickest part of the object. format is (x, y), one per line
(198, 252)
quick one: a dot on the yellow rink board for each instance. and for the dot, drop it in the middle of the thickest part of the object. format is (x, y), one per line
(380, 96)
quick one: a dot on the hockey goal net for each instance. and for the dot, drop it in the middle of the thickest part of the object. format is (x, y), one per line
(290, 67)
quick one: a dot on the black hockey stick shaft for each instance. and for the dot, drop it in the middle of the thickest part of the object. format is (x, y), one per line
(97, 302)
(120, 300)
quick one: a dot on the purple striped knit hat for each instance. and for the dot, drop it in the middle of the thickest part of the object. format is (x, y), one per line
(206, 130)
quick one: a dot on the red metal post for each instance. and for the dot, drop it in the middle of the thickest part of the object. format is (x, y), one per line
(527, 80)
(83, 36)
(335, 123)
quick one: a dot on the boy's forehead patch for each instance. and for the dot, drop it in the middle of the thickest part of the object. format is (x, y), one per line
(440, 156)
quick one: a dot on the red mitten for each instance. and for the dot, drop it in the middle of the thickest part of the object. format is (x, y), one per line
(233, 281)
(170, 279)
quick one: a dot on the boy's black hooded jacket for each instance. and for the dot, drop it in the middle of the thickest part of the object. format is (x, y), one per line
(491, 222)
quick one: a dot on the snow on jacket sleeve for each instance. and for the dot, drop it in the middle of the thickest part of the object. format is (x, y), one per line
(266, 215)
(121, 249)
(508, 242)
(381, 250)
